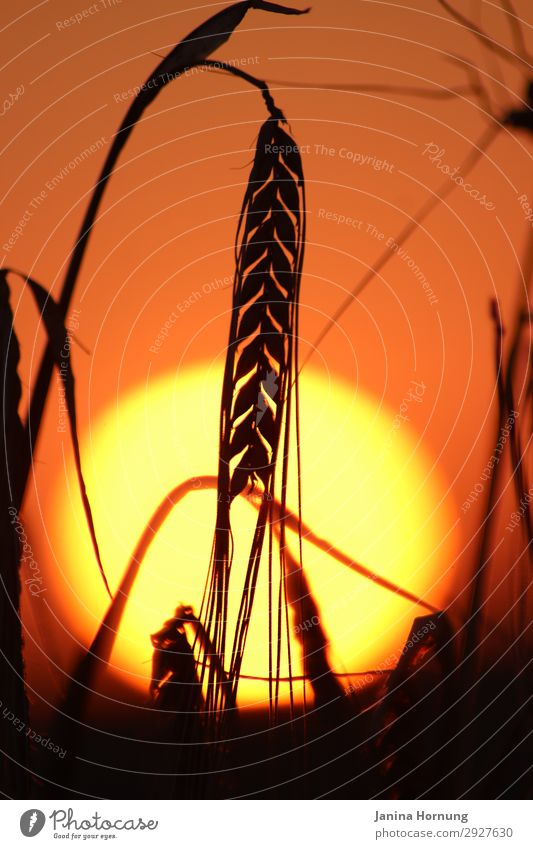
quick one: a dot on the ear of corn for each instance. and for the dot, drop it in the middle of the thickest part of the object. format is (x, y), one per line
(258, 376)
(261, 340)
(207, 38)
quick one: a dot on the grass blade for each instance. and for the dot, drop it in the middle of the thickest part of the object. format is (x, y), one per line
(13, 744)
(59, 343)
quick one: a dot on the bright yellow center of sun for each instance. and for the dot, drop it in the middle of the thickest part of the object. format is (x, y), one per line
(368, 487)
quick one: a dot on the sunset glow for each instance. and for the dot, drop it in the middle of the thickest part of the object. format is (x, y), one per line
(367, 485)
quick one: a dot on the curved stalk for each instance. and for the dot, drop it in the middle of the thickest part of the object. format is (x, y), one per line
(100, 650)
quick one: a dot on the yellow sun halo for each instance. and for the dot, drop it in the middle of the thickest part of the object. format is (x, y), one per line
(368, 487)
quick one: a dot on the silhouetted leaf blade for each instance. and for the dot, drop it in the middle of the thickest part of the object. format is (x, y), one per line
(13, 745)
(60, 343)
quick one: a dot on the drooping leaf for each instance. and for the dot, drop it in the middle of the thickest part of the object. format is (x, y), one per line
(258, 378)
(208, 37)
(60, 344)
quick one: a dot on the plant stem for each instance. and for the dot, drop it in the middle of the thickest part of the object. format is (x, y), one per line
(473, 626)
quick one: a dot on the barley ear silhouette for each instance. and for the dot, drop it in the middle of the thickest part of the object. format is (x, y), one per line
(60, 342)
(258, 378)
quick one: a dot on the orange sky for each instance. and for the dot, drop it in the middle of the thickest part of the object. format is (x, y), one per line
(169, 215)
